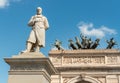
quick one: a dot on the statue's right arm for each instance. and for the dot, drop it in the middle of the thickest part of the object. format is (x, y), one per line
(31, 22)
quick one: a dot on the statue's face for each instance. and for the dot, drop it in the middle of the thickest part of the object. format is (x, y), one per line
(39, 11)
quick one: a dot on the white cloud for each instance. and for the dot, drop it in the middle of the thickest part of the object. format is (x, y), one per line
(111, 31)
(6, 3)
(89, 30)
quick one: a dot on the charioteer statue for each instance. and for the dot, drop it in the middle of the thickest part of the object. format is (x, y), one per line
(86, 43)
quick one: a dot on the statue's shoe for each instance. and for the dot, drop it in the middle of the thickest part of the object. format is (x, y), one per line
(25, 51)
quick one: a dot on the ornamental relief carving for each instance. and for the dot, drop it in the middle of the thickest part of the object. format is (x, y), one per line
(84, 60)
(26, 67)
(91, 59)
(56, 59)
(67, 60)
(112, 59)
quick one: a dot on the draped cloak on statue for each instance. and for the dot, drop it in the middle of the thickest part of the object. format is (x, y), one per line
(39, 24)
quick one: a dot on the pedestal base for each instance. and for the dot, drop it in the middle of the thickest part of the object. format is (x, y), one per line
(28, 77)
(30, 68)
(29, 55)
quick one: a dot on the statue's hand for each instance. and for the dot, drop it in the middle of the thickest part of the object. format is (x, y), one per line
(36, 20)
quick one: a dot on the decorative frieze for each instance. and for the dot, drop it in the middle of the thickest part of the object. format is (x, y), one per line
(81, 57)
(112, 59)
(84, 60)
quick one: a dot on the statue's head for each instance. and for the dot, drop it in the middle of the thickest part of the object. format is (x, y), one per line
(39, 10)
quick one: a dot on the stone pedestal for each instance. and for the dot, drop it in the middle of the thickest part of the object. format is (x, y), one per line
(30, 68)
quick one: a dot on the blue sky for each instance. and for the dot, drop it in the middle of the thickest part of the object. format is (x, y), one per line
(67, 18)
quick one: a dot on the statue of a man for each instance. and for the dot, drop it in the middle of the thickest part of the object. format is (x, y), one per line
(39, 24)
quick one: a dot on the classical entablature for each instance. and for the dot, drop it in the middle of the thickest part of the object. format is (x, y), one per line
(86, 66)
(85, 58)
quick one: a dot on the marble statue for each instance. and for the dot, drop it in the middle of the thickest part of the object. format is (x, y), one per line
(39, 24)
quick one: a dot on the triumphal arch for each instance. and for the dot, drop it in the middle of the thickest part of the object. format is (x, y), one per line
(86, 66)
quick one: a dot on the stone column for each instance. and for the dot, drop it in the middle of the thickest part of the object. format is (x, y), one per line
(30, 68)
